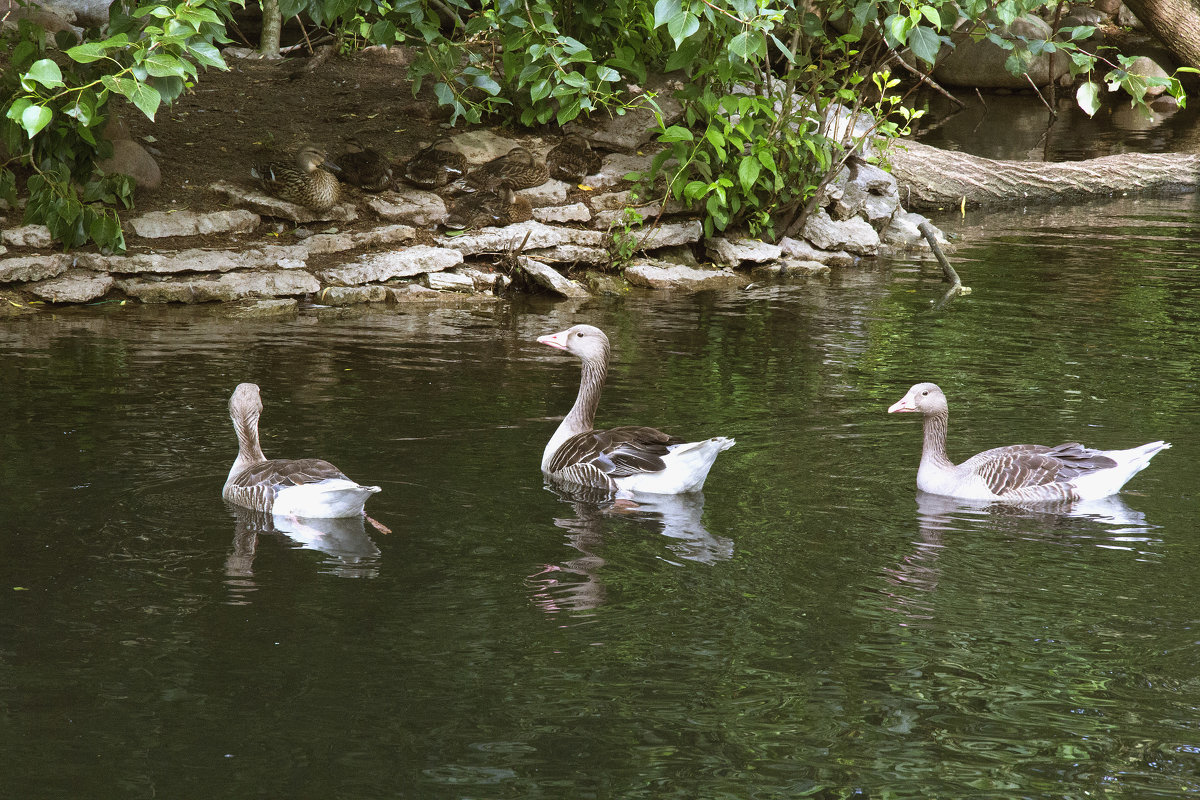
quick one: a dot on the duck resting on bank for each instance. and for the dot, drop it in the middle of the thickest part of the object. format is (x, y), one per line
(306, 487)
(1019, 473)
(436, 165)
(365, 167)
(628, 459)
(304, 182)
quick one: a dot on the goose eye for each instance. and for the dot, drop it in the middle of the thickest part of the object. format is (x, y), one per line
(925, 394)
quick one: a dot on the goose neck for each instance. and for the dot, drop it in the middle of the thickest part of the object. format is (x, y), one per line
(934, 449)
(591, 384)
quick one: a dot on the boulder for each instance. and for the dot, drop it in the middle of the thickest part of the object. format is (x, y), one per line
(351, 295)
(263, 203)
(549, 278)
(229, 286)
(904, 232)
(380, 267)
(865, 191)
(28, 236)
(130, 158)
(413, 206)
(664, 275)
(1144, 66)
(34, 268)
(603, 283)
(977, 63)
(854, 235)
(448, 282)
(73, 286)
(732, 252)
(575, 212)
(803, 251)
(162, 224)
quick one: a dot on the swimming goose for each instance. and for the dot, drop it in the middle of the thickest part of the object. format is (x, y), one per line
(1019, 473)
(626, 459)
(306, 487)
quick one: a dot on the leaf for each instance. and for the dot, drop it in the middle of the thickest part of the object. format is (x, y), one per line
(924, 44)
(676, 134)
(163, 65)
(607, 74)
(87, 52)
(45, 72)
(1088, 98)
(682, 25)
(748, 171)
(666, 10)
(146, 98)
(34, 118)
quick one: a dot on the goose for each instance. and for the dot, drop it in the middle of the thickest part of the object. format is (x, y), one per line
(1019, 473)
(306, 487)
(627, 459)
(304, 181)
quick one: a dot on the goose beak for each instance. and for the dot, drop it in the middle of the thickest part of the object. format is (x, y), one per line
(558, 340)
(903, 404)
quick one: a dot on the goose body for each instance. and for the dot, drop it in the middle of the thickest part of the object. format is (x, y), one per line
(1019, 473)
(304, 182)
(519, 168)
(306, 487)
(629, 459)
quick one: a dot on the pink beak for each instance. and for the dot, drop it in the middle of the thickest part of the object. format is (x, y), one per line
(903, 404)
(558, 340)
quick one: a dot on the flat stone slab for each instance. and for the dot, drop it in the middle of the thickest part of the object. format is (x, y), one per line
(668, 234)
(351, 295)
(415, 207)
(663, 275)
(551, 193)
(482, 145)
(448, 282)
(254, 309)
(269, 206)
(226, 287)
(73, 286)
(570, 254)
(28, 236)
(34, 268)
(164, 224)
(549, 278)
(853, 235)
(732, 252)
(380, 267)
(575, 212)
(803, 251)
(791, 268)
(541, 235)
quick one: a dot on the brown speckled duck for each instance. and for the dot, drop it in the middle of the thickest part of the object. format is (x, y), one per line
(572, 159)
(304, 182)
(519, 168)
(365, 168)
(481, 209)
(436, 165)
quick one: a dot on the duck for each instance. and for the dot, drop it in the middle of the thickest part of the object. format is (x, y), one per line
(518, 167)
(1018, 473)
(627, 460)
(501, 207)
(436, 165)
(572, 159)
(365, 167)
(304, 182)
(306, 487)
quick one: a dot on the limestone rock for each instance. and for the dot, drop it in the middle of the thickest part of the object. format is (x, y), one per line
(351, 295)
(130, 158)
(904, 232)
(575, 212)
(448, 282)
(790, 268)
(570, 254)
(413, 206)
(803, 251)
(34, 268)
(380, 267)
(162, 224)
(482, 145)
(603, 283)
(229, 286)
(541, 235)
(73, 286)
(485, 281)
(551, 193)
(616, 166)
(732, 252)
(977, 63)
(1145, 66)
(872, 193)
(663, 275)
(269, 206)
(854, 235)
(629, 131)
(28, 236)
(668, 234)
(191, 260)
(253, 309)
(549, 278)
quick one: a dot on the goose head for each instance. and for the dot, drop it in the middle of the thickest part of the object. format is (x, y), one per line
(245, 403)
(924, 397)
(585, 341)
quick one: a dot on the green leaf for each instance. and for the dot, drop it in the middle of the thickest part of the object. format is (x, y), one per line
(676, 134)
(666, 10)
(146, 98)
(87, 52)
(34, 118)
(45, 72)
(540, 90)
(748, 171)
(682, 25)
(607, 74)
(924, 44)
(163, 65)
(1088, 98)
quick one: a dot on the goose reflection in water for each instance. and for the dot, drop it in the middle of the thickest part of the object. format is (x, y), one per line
(575, 585)
(1108, 522)
(352, 553)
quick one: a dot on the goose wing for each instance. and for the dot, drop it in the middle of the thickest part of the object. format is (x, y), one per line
(1005, 469)
(616, 452)
(282, 472)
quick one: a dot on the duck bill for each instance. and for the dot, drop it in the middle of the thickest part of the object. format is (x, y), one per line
(558, 340)
(904, 404)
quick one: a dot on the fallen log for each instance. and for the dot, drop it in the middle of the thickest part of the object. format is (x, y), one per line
(932, 178)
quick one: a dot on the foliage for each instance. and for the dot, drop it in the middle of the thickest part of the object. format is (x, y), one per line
(55, 107)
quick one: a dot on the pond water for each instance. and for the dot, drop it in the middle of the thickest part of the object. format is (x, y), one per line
(810, 627)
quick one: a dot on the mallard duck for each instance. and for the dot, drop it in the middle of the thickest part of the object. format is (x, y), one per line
(365, 168)
(304, 182)
(518, 168)
(435, 166)
(481, 209)
(306, 487)
(572, 159)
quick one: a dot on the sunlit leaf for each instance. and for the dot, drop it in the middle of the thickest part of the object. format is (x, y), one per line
(1088, 98)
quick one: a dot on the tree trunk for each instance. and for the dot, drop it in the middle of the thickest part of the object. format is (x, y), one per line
(268, 43)
(1176, 23)
(931, 178)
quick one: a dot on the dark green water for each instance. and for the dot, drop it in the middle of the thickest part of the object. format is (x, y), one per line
(806, 629)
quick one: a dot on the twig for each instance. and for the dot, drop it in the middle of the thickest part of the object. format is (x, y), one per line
(1038, 92)
(302, 45)
(924, 78)
(948, 274)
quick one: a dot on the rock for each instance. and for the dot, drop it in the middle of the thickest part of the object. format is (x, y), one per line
(854, 235)
(253, 309)
(448, 282)
(869, 192)
(570, 254)
(551, 193)
(678, 254)
(904, 232)
(130, 158)
(616, 166)
(28, 236)
(351, 295)
(663, 275)
(192, 260)
(1146, 67)
(229, 286)
(34, 268)
(1127, 19)
(603, 283)
(415, 293)
(269, 206)
(88, 13)
(50, 22)
(977, 63)
(541, 235)
(485, 281)
(668, 234)
(380, 267)
(803, 251)
(73, 286)
(1086, 15)
(790, 268)
(162, 224)
(390, 234)
(413, 206)
(482, 145)
(629, 131)
(575, 212)
(1108, 7)
(549, 278)
(732, 252)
